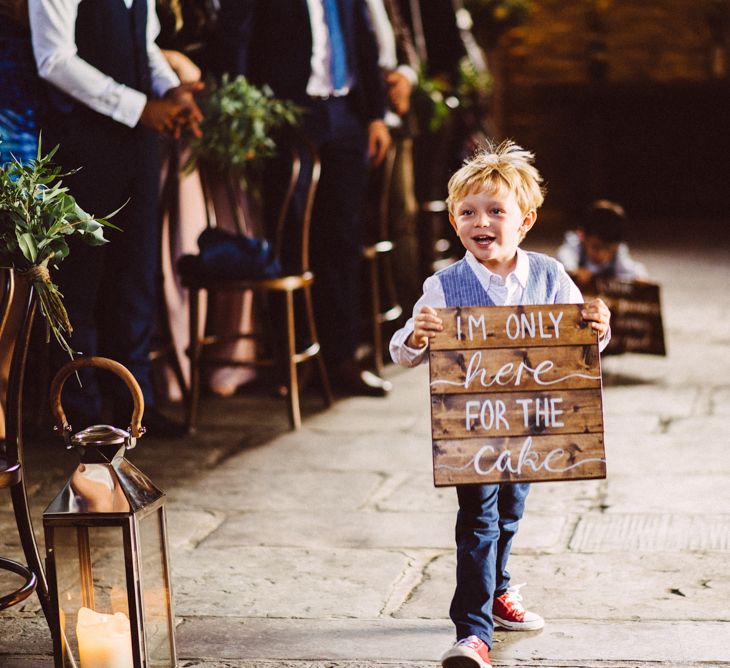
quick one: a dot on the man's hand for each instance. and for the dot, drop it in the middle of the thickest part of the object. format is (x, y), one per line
(597, 313)
(425, 326)
(378, 141)
(190, 115)
(162, 115)
(399, 92)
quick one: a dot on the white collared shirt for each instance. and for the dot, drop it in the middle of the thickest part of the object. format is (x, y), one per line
(320, 80)
(53, 29)
(503, 292)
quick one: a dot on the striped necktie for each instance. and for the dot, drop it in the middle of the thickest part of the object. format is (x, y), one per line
(338, 62)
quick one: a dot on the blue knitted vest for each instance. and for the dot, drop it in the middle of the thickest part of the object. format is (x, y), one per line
(462, 287)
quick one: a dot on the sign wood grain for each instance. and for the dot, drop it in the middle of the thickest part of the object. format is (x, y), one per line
(636, 316)
(516, 396)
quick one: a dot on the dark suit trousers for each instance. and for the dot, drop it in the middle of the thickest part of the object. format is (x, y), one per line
(340, 136)
(110, 291)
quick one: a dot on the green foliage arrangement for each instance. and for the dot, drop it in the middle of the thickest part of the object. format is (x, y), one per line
(238, 125)
(37, 217)
(434, 99)
(432, 103)
(473, 86)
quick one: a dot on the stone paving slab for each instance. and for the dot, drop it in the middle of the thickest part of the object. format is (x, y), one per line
(325, 450)
(550, 663)
(658, 492)
(392, 641)
(236, 487)
(597, 587)
(367, 530)
(315, 640)
(362, 530)
(671, 453)
(612, 532)
(285, 582)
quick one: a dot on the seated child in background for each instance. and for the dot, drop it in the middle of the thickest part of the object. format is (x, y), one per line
(598, 247)
(493, 201)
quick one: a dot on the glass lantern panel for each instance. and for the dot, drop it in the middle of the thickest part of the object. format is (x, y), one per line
(92, 594)
(156, 589)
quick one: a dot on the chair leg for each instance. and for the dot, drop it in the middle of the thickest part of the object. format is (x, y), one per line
(324, 380)
(30, 547)
(375, 316)
(294, 410)
(194, 351)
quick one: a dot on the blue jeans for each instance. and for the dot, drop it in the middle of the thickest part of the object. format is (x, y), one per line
(485, 526)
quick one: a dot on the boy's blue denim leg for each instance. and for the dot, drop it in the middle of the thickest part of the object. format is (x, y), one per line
(485, 526)
(511, 506)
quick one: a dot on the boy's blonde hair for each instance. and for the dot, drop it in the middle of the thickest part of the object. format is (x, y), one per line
(506, 166)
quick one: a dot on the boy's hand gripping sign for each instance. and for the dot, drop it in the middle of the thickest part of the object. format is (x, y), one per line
(516, 396)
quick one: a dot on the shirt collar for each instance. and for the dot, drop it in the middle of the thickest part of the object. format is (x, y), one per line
(520, 273)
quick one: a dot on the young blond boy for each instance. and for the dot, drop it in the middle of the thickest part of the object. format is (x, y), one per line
(493, 201)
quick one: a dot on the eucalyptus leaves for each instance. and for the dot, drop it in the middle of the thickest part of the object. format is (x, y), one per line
(239, 119)
(37, 217)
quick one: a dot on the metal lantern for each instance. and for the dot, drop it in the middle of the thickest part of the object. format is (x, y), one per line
(106, 548)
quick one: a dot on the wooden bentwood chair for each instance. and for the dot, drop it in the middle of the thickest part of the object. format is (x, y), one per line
(289, 353)
(378, 254)
(11, 460)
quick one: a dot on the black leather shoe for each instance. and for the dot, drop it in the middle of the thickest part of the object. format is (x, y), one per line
(158, 425)
(348, 379)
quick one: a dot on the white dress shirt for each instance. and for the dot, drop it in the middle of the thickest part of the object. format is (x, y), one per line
(320, 81)
(53, 28)
(502, 291)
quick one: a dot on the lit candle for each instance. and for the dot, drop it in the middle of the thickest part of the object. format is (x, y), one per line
(105, 641)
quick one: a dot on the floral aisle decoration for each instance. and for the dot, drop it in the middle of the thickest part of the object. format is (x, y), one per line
(38, 216)
(238, 126)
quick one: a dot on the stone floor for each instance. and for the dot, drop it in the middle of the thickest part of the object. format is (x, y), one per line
(330, 547)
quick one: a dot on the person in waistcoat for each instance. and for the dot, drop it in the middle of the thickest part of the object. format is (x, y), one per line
(110, 92)
(323, 56)
(493, 201)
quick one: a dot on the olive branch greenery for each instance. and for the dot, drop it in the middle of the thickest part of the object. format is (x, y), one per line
(37, 217)
(239, 120)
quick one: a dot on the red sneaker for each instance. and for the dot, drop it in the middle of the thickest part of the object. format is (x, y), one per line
(471, 652)
(509, 613)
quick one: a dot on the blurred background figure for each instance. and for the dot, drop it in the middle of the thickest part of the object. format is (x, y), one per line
(597, 248)
(400, 65)
(18, 138)
(106, 107)
(323, 55)
(18, 84)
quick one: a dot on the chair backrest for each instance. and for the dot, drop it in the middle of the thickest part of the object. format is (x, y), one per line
(15, 344)
(296, 206)
(288, 183)
(377, 226)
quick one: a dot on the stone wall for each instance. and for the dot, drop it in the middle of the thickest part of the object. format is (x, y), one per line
(619, 99)
(638, 40)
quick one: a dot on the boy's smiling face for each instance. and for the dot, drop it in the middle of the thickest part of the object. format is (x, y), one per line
(491, 225)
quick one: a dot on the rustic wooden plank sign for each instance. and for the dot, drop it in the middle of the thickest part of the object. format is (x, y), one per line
(636, 316)
(516, 396)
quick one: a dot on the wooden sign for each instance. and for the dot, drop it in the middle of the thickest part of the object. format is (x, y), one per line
(516, 396)
(636, 316)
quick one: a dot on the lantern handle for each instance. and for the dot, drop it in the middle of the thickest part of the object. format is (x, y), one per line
(135, 428)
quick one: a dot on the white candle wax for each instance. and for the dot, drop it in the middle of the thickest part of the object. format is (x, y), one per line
(105, 641)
